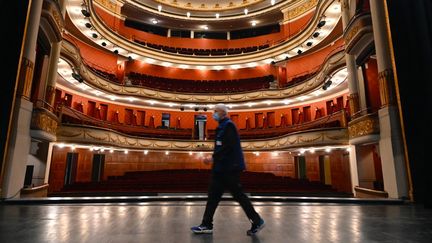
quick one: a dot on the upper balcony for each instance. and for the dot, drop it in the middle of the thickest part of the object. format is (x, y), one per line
(329, 64)
(125, 45)
(364, 127)
(133, 126)
(52, 22)
(359, 36)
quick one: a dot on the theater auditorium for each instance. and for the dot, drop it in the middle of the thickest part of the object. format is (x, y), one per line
(111, 120)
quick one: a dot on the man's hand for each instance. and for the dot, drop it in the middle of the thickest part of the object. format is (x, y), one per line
(208, 160)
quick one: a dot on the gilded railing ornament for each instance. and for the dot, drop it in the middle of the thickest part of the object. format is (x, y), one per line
(106, 137)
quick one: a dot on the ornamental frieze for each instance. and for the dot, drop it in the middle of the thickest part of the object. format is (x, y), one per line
(334, 62)
(363, 126)
(44, 120)
(358, 34)
(106, 137)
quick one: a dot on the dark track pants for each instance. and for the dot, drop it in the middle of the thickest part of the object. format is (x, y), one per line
(230, 181)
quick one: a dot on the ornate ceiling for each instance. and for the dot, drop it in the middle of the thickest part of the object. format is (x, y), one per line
(207, 8)
(209, 5)
(330, 9)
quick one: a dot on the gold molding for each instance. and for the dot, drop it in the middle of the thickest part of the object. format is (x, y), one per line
(112, 6)
(289, 15)
(71, 53)
(354, 103)
(26, 78)
(52, 13)
(386, 79)
(351, 33)
(50, 95)
(363, 126)
(208, 7)
(106, 137)
(359, 26)
(279, 49)
(44, 120)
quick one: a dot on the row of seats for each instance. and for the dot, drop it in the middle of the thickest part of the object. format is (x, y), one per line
(194, 180)
(110, 76)
(204, 52)
(298, 79)
(200, 86)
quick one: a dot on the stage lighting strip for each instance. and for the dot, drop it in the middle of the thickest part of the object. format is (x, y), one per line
(65, 71)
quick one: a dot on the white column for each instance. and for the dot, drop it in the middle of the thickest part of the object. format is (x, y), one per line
(353, 168)
(32, 30)
(19, 144)
(169, 33)
(18, 150)
(48, 163)
(192, 34)
(362, 102)
(392, 153)
(351, 65)
(52, 73)
(53, 65)
(228, 35)
(390, 144)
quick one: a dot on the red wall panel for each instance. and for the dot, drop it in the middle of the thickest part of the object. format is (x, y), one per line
(287, 31)
(117, 163)
(187, 117)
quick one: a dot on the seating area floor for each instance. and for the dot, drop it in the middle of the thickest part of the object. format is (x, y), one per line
(170, 222)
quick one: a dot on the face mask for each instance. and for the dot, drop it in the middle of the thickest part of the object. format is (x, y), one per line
(216, 116)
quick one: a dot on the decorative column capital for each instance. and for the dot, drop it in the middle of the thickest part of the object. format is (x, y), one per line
(354, 104)
(364, 126)
(44, 120)
(25, 78)
(289, 14)
(386, 81)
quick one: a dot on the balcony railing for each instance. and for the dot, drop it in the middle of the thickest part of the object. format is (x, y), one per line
(359, 35)
(72, 116)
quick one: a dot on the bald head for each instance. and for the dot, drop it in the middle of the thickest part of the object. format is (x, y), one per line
(221, 108)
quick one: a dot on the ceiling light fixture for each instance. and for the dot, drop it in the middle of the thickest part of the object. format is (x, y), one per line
(246, 11)
(217, 15)
(188, 14)
(159, 8)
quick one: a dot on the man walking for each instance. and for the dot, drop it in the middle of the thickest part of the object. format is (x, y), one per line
(228, 163)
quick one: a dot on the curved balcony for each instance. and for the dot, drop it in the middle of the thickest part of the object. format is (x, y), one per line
(297, 15)
(333, 62)
(201, 86)
(200, 11)
(70, 116)
(79, 134)
(364, 128)
(44, 122)
(359, 36)
(204, 52)
(52, 22)
(275, 51)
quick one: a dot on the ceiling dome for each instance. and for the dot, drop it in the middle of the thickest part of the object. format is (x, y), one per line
(208, 8)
